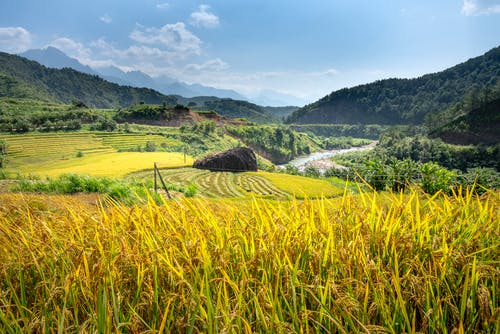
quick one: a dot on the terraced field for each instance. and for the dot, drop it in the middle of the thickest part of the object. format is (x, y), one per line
(116, 164)
(130, 141)
(53, 153)
(226, 184)
(39, 147)
(258, 185)
(301, 186)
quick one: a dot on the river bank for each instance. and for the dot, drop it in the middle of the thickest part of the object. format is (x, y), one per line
(321, 160)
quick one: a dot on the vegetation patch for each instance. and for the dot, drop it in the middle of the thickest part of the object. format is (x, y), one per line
(355, 264)
(125, 192)
(301, 186)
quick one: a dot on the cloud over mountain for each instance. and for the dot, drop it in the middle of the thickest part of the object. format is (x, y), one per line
(14, 39)
(172, 36)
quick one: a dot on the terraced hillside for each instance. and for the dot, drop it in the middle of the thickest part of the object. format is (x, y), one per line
(31, 148)
(88, 152)
(35, 148)
(237, 185)
(130, 141)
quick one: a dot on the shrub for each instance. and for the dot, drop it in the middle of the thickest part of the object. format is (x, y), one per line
(375, 174)
(481, 178)
(312, 171)
(401, 173)
(125, 192)
(150, 146)
(190, 191)
(291, 169)
(436, 178)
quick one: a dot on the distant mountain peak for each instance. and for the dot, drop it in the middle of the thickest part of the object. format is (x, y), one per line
(55, 58)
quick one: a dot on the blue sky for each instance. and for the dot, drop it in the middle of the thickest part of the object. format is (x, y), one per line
(305, 49)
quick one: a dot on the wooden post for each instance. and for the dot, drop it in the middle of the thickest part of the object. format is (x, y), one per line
(163, 183)
(156, 185)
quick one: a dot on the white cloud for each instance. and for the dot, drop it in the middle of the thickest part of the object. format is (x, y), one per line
(164, 5)
(106, 18)
(331, 72)
(138, 53)
(72, 48)
(204, 17)
(480, 7)
(214, 65)
(174, 36)
(14, 39)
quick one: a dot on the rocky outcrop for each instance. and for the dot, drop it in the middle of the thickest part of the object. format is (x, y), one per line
(238, 159)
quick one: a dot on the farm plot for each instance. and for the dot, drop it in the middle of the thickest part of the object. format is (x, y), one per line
(133, 141)
(182, 176)
(220, 184)
(254, 184)
(35, 148)
(114, 164)
(75, 152)
(301, 186)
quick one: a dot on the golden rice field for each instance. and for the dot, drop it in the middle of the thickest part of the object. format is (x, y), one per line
(38, 152)
(113, 164)
(366, 263)
(239, 185)
(300, 186)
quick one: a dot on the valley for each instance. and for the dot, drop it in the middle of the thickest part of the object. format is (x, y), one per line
(373, 209)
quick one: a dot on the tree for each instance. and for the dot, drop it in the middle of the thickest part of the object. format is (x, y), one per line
(291, 144)
(312, 171)
(375, 173)
(436, 178)
(150, 146)
(278, 136)
(401, 173)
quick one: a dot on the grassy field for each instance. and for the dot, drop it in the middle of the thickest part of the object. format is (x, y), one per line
(369, 263)
(93, 153)
(239, 185)
(101, 154)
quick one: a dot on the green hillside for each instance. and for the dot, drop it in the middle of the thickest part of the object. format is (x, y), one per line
(402, 101)
(12, 87)
(240, 109)
(479, 126)
(30, 79)
(23, 78)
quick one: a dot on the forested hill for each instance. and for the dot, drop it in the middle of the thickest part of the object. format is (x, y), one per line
(23, 78)
(20, 77)
(402, 101)
(479, 126)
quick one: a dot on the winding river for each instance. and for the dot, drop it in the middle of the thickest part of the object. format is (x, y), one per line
(321, 160)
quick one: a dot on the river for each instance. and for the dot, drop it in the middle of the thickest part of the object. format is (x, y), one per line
(321, 161)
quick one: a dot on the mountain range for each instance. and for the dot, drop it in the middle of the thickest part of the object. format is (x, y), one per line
(428, 100)
(24, 78)
(403, 101)
(55, 58)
